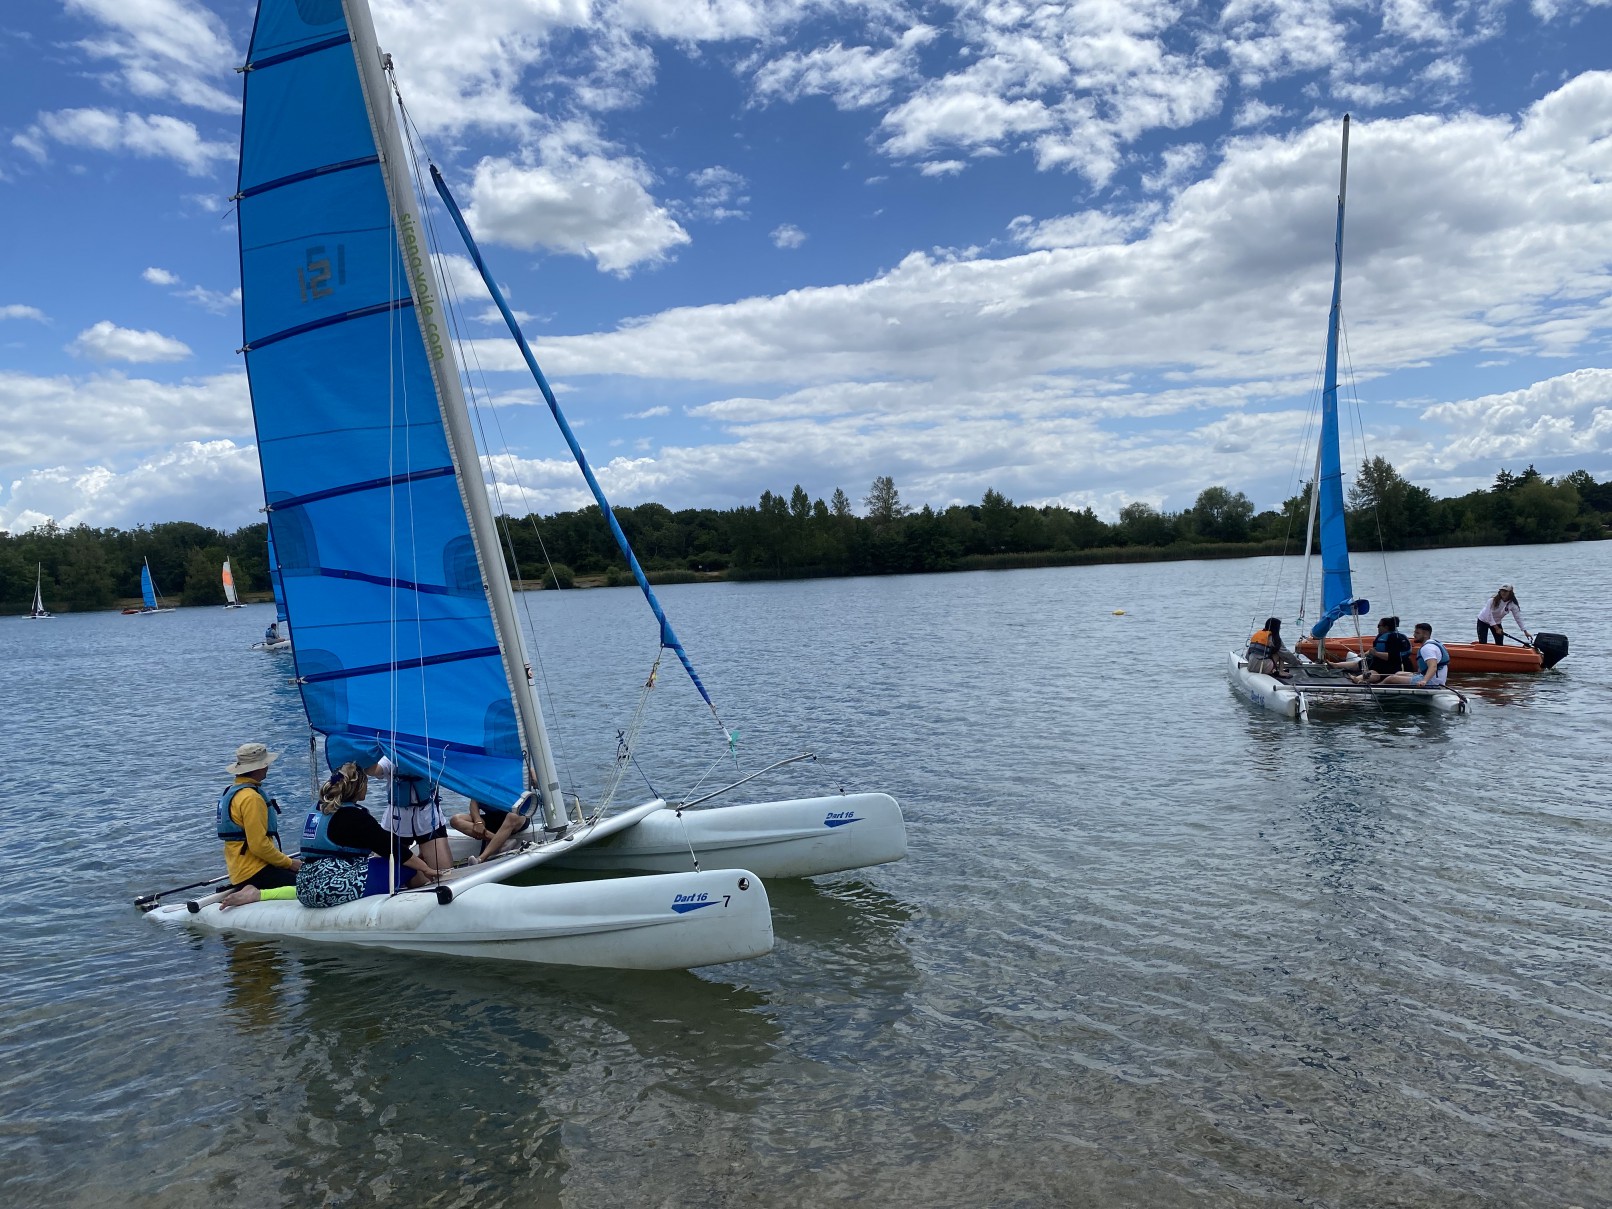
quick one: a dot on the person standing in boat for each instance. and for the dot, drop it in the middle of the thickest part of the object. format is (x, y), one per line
(1501, 605)
(1266, 654)
(248, 823)
(339, 843)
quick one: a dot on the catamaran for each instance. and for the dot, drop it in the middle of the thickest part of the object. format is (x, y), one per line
(408, 642)
(1307, 683)
(231, 600)
(38, 612)
(151, 602)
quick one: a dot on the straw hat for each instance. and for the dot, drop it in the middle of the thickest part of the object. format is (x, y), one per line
(249, 757)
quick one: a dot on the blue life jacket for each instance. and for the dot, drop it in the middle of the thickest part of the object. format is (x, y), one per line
(1443, 656)
(232, 832)
(317, 844)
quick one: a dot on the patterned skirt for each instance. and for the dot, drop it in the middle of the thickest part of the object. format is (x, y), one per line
(331, 881)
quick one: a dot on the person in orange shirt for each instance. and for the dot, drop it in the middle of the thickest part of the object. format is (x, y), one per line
(248, 823)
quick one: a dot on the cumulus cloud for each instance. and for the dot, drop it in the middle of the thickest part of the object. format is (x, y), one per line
(106, 341)
(17, 310)
(575, 200)
(216, 480)
(108, 416)
(853, 77)
(788, 235)
(169, 49)
(154, 136)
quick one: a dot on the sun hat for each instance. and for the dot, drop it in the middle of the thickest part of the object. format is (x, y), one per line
(1507, 588)
(249, 757)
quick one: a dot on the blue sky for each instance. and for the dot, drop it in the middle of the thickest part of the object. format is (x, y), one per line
(1078, 253)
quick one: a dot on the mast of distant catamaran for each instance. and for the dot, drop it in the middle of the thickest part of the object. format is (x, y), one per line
(429, 311)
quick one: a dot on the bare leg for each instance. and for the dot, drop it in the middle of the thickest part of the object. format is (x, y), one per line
(239, 897)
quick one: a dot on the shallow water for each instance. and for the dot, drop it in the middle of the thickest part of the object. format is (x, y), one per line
(1149, 948)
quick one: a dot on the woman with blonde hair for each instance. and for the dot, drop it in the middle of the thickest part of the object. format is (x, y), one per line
(1501, 605)
(345, 851)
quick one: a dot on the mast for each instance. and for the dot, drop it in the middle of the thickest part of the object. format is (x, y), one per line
(372, 65)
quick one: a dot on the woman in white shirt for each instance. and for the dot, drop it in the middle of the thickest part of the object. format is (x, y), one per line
(1500, 606)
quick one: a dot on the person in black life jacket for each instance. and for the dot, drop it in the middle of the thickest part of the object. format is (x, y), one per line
(248, 824)
(1266, 654)
(344, 850)
(1431, 662)
(1390, 652)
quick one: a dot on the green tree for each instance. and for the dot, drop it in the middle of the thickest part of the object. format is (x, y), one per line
(883, 502)
(1222, 515)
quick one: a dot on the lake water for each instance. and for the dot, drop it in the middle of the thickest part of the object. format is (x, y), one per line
(1150, 947)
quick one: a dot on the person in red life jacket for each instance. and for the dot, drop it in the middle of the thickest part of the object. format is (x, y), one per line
(248, 823)
(1266, 654)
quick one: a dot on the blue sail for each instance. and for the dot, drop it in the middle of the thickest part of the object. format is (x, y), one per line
(1337, 589)
(668, 637)
(148, 594)
(274, 580)
(395, 649)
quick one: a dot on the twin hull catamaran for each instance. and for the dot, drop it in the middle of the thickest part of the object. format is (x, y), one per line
(407, 639)
(231, 599)
(1315, 682)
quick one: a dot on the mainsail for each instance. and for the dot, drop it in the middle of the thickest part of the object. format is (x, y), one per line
(274, 581)
(396, 642)
(1337, 590)
(148, 594)
(229, 585)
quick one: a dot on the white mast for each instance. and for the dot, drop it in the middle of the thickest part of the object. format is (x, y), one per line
(428, 310)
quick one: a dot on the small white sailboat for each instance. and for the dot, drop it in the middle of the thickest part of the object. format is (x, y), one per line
(151, 602)
(1310, 683)
(38, 612)
(231, 600)
(408, 642)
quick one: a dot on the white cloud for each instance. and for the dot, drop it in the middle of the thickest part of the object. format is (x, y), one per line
(153, 136)
(109, 416)
(1568, 416)
(649, 413)
(852, 77)
(215, 480)
(941, 167)
(719, 194)
(160, 277)
(168, 49)
(18, 311)
(788, 235)
(106, 341)
(575, 201)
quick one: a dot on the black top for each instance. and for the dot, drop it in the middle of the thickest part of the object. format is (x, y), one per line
(354, 827)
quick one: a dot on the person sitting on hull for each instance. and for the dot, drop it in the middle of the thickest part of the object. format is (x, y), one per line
(1389, 652)
(1266, 653)
(248, 824)
(1432, 663)
(345, 851)
(492, 826)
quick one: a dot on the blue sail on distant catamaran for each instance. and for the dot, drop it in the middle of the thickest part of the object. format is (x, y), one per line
(150, 601)
(407, 639)
(277, 636)
(1309, 683)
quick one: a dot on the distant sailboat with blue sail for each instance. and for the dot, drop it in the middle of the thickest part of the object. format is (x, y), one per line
(408, 645)
(1299, 685)
(150, 601)
(277, 634)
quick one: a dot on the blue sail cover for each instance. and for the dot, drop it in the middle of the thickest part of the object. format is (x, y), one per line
(1337, 589)
(395, 642)
(147, 593)
(274, 581)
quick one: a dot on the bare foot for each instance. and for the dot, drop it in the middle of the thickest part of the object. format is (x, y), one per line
(240, 897)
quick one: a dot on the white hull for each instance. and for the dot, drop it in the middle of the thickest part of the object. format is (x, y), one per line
(283, 645)
(1279, 697)
(798, 838)
(671, 922)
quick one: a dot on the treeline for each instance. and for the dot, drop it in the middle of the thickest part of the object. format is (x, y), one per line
(798, 537)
